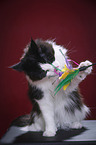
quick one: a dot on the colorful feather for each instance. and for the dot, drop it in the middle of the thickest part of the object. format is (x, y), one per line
(66, 82)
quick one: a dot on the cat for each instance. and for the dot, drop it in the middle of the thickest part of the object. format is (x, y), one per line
(50, 112)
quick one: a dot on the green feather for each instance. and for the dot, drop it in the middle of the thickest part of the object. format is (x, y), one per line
(67, 80)
(56, 67)
(61, 84)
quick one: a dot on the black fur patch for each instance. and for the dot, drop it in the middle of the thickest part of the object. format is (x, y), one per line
(35, 72)
(76, 102)
(46, 51)
(32, 68)
(35, 93)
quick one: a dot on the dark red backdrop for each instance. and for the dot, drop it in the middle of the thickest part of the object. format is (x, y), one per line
(71, 22)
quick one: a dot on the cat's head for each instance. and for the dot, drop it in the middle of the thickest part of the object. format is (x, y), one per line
(35, 53)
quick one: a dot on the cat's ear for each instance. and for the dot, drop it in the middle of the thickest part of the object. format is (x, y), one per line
(18, 67)
(33, 47)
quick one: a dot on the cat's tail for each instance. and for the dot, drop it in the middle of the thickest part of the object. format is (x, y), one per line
(22, 121)
(18, 127)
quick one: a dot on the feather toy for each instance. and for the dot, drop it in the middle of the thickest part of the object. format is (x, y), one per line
(68, 73)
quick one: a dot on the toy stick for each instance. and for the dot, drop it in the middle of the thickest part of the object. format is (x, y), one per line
(85, 67)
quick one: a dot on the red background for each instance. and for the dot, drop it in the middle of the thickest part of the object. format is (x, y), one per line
(71, 22)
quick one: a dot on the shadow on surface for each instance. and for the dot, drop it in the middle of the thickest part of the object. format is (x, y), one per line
(37, 136)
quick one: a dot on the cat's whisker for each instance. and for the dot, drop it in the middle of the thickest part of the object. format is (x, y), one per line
(68, 44)
(72, 50)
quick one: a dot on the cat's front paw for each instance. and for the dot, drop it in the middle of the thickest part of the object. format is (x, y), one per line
(76, 125)
(49, 133)
(82, 75)
(86, 63)
(48, 69)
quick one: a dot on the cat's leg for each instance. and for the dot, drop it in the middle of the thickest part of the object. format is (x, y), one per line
(78, 116)
(76, 125)
(38, 124)
(47, 109)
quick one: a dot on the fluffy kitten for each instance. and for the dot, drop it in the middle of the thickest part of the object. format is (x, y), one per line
(49, 113)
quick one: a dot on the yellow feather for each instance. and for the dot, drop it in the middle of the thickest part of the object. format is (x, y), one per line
(65, 87)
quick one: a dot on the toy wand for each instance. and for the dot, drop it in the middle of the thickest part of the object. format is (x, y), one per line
(68, 76)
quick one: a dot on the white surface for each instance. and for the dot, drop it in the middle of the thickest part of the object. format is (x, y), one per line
(87, 135)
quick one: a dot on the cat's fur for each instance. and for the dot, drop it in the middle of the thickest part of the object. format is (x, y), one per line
(65, 109)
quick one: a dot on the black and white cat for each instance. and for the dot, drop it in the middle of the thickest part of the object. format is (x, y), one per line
(50, 112)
